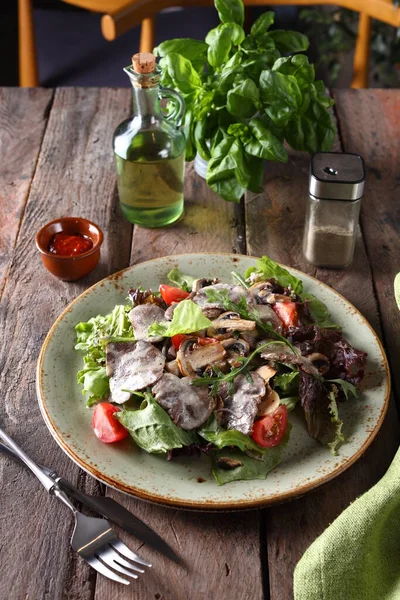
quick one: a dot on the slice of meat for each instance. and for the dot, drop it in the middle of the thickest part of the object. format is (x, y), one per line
(240, 408)
(235, 293)
(187, 405)
(132, 366)
(144, 315)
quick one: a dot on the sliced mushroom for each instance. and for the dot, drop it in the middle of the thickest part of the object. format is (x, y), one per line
(240, 407)
(231, 321)
(198, 284)
(211, 313)
(169, 313)
(269, 404)
(234, 349)
(173, 367)
(144, 315)
(139, 296)
(132, 366)
(320, 361)
(263, 293)
(187, 405)
(192, 357)
(227, 463)
(266, 372)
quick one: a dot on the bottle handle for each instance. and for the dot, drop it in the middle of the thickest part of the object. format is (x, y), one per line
(176, 115)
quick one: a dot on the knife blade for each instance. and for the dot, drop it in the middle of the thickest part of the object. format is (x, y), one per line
(111, 509)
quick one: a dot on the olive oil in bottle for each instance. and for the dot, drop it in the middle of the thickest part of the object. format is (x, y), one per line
(149, 151)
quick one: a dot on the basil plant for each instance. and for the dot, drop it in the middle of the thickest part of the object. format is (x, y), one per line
(245, 96)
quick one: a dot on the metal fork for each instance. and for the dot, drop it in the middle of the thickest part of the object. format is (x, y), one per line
(93, 538)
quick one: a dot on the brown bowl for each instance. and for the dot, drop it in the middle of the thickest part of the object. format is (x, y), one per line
(70, 268)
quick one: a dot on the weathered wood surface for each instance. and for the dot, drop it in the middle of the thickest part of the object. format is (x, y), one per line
(226, 554)
(23, 118)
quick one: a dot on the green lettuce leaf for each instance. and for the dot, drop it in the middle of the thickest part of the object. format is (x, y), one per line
(266, 268)
(248, 467)
(319, 312)
(187, 318)
(337, 436)
(287, 382)
(221, 438)
(185, 282)
(346, 387)
(290, 402)
(152, 428)
(92, 336)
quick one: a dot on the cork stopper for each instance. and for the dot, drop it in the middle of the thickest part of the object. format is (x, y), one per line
(144, 62)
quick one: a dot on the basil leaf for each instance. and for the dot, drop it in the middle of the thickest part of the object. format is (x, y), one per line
(182, 73)
(244, 99)
(263, 23)
(289, 41)
(229, 189)
(187, 127)
(193, 50)
(221, 165)
(152, 429)
(230, 11)
(248, 171)
(265, 145)
(299, 67)
(313, 131)
(266, 268)
(220, 41)
(200, 139)
(187, 318)
(281, 95)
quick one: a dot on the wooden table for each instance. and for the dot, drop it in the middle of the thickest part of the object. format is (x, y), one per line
(56, 159)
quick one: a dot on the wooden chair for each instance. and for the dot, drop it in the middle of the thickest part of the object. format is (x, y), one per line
(121, 15)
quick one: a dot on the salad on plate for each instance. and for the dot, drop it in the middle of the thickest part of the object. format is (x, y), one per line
(203, 366)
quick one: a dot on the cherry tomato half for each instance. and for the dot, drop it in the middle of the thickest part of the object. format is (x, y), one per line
(287, 312)
(105, 425)
(269, 430)
(179, 337)
(172, 294)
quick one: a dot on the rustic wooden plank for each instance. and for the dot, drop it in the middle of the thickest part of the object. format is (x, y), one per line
(23, 118)
(75, 176)
(222, 551)
(275, 221)
(370, 126)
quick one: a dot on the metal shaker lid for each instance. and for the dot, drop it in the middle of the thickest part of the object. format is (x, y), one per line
(337, 176)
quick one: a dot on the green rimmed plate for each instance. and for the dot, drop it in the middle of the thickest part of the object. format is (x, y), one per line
(188, 483)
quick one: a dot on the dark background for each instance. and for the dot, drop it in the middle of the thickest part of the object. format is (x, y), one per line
(72, 51)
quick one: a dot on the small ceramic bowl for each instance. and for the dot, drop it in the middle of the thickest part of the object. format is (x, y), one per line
(70, 268)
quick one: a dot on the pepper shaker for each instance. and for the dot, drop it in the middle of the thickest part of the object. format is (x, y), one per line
(336, 186)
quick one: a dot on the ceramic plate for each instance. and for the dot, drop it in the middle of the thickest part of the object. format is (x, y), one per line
(188, 483)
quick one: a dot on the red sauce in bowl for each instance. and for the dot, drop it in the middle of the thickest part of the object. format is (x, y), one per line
(65, 244)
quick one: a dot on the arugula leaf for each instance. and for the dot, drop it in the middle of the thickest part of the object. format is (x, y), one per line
(230, 11)
(183, 281)
(266, 268)
(319, 312)
(212, 432)
(152, 429)
(248, 467)
(346, 387)
(187, 318)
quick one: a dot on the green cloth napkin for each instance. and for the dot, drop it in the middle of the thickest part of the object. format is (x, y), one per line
(358, 556)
